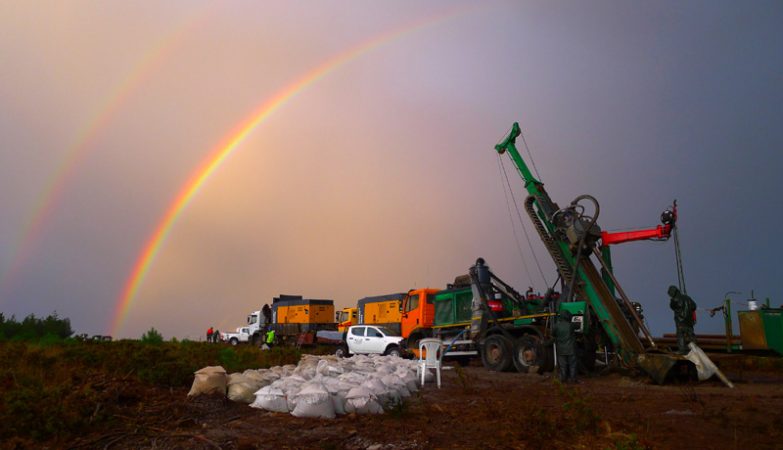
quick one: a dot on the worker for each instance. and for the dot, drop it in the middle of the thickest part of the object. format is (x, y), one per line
(564, 336)
(270, 337)
(209, 334)
(216, 336)
(267, 312)
(684, 317)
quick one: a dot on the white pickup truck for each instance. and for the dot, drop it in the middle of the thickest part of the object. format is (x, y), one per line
(242, 335)
(364, 339)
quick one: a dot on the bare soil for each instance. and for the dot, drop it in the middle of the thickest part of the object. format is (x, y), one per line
(475, 408)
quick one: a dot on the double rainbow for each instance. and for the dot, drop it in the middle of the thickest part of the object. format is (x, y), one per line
(221, 153)
(83, 144)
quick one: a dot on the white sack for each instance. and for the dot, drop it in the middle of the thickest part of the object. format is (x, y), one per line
(209, 380)
(394, 382)
(361, 401)
(242, 392)
(314, 401)
(271, 398)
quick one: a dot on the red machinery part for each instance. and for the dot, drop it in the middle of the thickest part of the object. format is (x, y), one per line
(495, 305)
(660, 232)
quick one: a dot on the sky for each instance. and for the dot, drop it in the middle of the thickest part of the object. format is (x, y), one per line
(362, 160)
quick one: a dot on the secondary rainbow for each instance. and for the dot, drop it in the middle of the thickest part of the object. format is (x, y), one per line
(84, 142)
(232, 142)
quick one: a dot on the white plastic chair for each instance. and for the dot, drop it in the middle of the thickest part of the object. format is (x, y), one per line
(433, 349)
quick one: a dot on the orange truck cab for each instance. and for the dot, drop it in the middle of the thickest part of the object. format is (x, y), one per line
(418, 315)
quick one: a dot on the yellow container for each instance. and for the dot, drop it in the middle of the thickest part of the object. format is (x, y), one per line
(295, 309)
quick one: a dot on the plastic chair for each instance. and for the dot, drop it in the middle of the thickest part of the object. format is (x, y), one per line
(433, 349)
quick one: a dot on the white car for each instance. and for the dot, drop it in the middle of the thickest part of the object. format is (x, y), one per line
(364, 339)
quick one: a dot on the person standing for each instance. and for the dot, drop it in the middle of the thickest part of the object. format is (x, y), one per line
(270, 338)
(564, 335)
(684, 317)
(267, 313)
(210, 332)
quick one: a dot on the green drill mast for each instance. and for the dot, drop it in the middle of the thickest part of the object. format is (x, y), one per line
(570, 241)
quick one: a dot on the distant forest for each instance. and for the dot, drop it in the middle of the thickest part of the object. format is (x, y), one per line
(32, 327)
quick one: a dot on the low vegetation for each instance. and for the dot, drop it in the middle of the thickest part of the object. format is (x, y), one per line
(59, 387)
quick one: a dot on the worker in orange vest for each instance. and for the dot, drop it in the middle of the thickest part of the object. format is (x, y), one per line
(210, 332)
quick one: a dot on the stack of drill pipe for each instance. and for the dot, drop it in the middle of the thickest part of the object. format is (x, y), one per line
(705, 341)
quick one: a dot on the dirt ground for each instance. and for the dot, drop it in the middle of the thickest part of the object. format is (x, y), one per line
(475, 408)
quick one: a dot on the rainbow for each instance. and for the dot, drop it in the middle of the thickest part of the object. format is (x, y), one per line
(221, 153)
(80, 148)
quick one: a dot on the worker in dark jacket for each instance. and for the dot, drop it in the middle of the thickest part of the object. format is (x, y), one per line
(266, 311)
(684, 317)
(564, 336)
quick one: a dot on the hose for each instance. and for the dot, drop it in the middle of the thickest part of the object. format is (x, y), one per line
(448, 347)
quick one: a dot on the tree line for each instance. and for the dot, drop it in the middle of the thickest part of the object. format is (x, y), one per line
(32, 327)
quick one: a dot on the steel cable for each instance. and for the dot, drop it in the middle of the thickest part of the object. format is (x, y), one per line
(519, 215)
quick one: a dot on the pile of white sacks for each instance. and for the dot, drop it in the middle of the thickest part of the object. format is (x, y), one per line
(324, 386)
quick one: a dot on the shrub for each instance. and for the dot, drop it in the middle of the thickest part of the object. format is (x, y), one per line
(152, 337)
(229, 359)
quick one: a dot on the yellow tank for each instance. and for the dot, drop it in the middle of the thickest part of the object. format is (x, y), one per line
(295, 310)
(381, 310)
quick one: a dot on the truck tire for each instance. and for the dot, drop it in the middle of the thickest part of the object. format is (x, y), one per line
(547, 359)
(233, 341)
(586, 352)
(341, 351)
(496, 353)
(393, 350)
(528, 353)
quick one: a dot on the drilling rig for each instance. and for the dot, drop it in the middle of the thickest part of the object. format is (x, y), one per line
(574, 240)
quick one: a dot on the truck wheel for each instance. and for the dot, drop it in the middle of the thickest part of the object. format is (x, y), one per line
(547, 359)
(527, 353)
(234, 341)
(393, 350)
(341, 351)
(585, 356)
(496, 353)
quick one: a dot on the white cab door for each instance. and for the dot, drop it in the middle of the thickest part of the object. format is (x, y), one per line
(375, 340)
(355, 340)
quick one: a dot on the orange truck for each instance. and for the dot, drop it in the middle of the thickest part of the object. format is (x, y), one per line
(418, 316)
